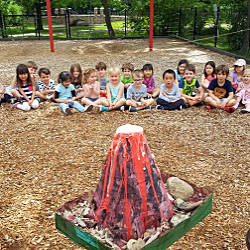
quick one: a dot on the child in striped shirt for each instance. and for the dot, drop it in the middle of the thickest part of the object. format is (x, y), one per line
(26, 88)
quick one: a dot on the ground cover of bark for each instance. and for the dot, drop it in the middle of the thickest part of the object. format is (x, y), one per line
(47, 159)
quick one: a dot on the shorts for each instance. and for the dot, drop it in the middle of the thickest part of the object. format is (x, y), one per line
(92, 99)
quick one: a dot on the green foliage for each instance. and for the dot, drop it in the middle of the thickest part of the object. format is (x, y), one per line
(10, 7)
(178, 17)
(238, 15)
(170, 17)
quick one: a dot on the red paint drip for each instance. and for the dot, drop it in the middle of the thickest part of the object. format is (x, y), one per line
(130, 196)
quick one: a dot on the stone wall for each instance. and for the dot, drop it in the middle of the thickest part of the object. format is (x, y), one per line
(97, 18)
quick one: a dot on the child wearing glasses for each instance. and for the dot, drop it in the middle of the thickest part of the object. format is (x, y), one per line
(137, 93)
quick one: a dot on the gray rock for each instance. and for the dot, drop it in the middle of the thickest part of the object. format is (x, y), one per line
(186, 206)
(179, 188)
(178, 218)
(135, 244)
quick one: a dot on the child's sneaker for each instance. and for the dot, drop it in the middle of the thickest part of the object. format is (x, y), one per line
(15, 105)
(104, 109)
(246, 110)
(40, 100)
(147, 108)
(68, 111)
(159, 107)
(88, 108)
(186, 105)
(209, 107)
(132, 109)
(230, 109)
(7, 98)
(180, 107)
(122, 108)
(52, 99)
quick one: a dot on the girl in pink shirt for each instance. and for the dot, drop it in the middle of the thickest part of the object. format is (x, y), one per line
(208, 74)
(149, 81)
(91, 89)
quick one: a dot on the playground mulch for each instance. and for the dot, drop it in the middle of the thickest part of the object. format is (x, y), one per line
(47, 159)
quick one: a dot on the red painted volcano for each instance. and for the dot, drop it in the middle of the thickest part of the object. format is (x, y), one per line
(130, 196)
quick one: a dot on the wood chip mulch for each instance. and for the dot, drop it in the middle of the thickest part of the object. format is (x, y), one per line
(47, 159)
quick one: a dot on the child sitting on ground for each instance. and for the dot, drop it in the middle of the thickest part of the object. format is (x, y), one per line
(65, 95)
(149, 81)
(115, 91)
(220, 91)
(189, 86)
(11, 92)
(127, 79)
(76, 72)
(208, 74)
(170, 96)
(243, 92)
(239, 67)
(180, 71)
(91, 89)
(101, 68)
(26, 89)
(46, 85)
(137, 92)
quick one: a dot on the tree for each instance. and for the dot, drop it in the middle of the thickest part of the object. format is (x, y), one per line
(246, 42)
(10, 7)
(107, 18)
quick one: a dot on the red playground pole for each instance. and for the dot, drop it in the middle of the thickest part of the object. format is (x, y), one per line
(151, 25)
(51, 39)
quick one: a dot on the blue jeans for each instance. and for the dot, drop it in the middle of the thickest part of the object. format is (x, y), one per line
(76, 105)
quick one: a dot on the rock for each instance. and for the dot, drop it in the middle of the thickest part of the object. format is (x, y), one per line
(186, 206)
(178, 218)
(178, 202)
(130, 244)
(179, 188)
(152, 238)
(135, 244)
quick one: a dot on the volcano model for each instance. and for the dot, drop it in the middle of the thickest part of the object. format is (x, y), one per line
(130, 196)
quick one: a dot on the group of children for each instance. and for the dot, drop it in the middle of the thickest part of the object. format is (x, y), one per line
(128, 88)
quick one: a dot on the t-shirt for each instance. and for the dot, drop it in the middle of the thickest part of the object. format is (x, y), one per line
(236, 80)
(28, 91)
(178, 77)
(189, 88)
(115, 90)
(43, 86)
(220, 91)
(235, 77)
(77, 85)
(150, 84)
(136, 94)
(64, 93)
(173, 94)
(103, 83)
(124, 80)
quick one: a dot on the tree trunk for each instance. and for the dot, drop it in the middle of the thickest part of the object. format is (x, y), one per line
(39, 16)
(245, 46)
(105, 4)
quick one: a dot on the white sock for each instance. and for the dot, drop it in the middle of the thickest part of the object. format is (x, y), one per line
(236, 105)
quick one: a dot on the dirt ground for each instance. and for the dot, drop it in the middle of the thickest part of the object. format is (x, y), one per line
(47, 159)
